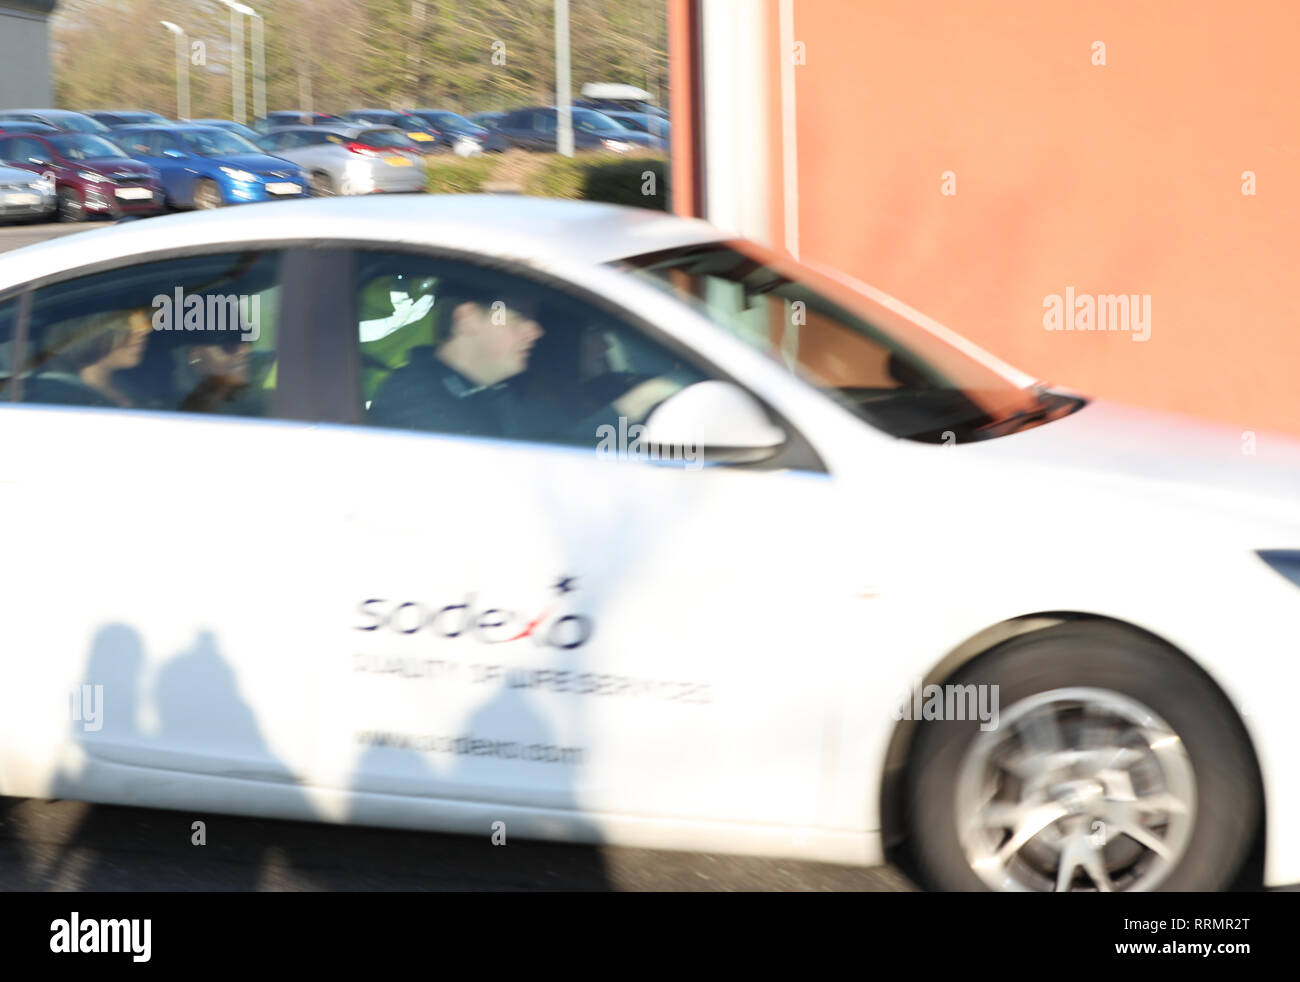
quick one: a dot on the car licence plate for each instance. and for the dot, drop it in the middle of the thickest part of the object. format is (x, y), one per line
(22, 198)
(397, 161)
(134, 194)
(284, 188)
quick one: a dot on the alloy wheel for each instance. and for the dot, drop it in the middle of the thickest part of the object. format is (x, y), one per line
(1076, 789)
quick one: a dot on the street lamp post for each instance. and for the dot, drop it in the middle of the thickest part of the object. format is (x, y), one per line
(563, 105)
(259, 68)
(259, 58)
(182, 70)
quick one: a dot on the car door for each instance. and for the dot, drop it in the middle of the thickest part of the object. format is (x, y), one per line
(165, 153)
(539, 624)
(517, 128)
(164, 537)
(544, 135)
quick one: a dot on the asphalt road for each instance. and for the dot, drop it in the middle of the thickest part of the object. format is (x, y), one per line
(68, 846)
(17, 236)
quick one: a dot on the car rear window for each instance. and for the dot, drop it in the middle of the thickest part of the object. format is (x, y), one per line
(384, 138)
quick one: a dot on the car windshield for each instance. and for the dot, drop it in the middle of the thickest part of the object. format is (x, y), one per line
(907, 378)
(85, 146)
(594, 122)
(213, 142)
(447, 120)
(81, 124)
(237, 128)
(633, 123)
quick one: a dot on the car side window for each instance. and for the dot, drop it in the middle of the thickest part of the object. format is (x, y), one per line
(29, 151)
(194, 334)
(452, 347)
(165, 142)
(133, 143)
(544, 122)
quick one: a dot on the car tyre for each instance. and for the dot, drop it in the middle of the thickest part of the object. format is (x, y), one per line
(70, 207)
(1180, 774)
(207, 195)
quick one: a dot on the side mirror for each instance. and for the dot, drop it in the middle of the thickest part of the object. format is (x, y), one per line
(714, 421)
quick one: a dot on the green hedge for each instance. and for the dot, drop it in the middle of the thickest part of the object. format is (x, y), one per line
(458, 175)
(620, 181)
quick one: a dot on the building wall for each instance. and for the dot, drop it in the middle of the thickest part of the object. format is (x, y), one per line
(1125, 178)
(25, 72)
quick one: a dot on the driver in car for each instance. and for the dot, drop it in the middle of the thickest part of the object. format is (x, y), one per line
(463, 384)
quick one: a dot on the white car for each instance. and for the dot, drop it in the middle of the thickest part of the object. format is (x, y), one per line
(24, 194)
(735, 556)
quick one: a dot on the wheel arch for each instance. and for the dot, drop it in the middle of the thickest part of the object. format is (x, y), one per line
(898, 755)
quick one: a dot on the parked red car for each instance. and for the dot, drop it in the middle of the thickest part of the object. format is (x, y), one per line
(92, 175)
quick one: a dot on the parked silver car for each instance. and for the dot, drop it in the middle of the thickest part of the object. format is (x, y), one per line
(24, 194)
(349, 158)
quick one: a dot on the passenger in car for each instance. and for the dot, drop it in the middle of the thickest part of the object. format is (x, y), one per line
(462, 385)
(79, 358)
(216, 379)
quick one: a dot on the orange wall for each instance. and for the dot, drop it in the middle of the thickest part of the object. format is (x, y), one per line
(1117, 179)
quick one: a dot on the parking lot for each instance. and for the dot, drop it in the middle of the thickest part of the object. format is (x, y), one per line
(17, 236)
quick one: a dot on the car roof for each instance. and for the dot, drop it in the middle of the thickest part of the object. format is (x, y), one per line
(166, 127)
(346, 128)
(535, 231)
(45, 112)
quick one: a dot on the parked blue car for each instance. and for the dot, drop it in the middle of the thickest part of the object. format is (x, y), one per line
(208, 167)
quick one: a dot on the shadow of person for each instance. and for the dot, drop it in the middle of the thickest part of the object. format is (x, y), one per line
(206, 728)
(474, 778)
(105, 724)
(206, 757)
